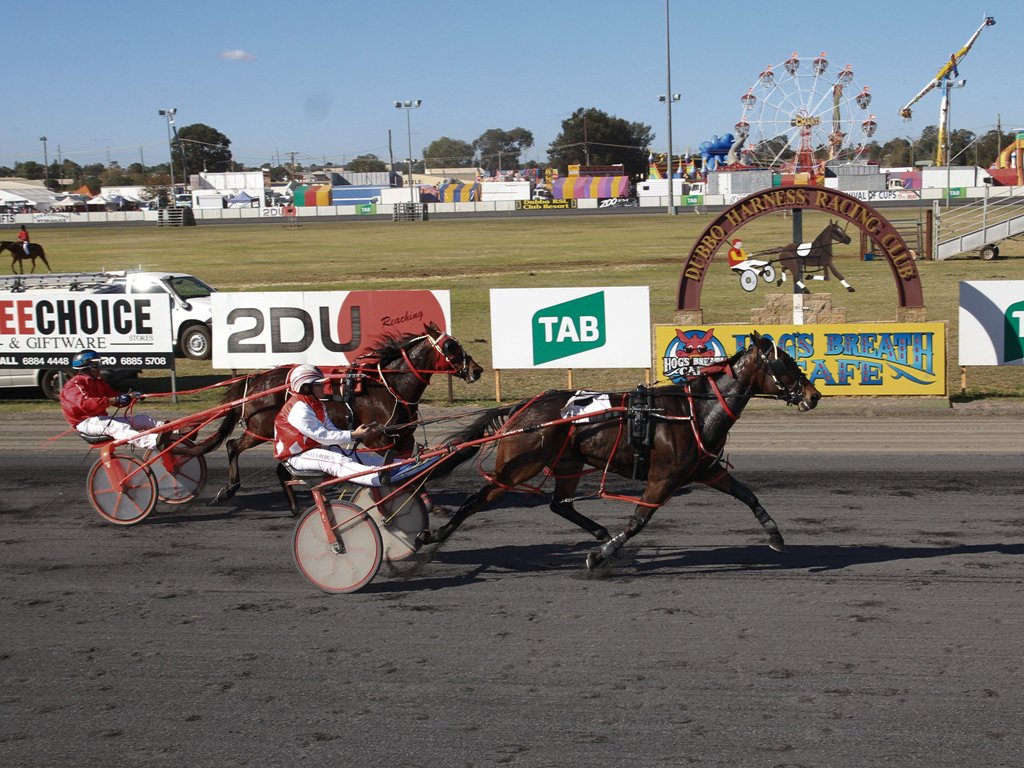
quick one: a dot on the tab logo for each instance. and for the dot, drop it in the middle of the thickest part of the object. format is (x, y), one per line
(568, 328)
(1013, 333)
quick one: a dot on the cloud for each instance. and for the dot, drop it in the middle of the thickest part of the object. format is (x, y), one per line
(236, 55)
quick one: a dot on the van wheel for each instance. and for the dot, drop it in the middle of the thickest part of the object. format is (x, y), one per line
(49, 383)
(196, 342)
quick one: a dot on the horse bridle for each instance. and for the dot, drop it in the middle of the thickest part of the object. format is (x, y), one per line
(447, 347)
(776, 367)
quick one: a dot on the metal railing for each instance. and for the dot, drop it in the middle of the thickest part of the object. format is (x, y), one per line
(997, 216)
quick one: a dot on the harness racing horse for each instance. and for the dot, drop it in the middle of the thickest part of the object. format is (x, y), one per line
(689, 426)
(17, 251)
(799, 258)
(384, 385)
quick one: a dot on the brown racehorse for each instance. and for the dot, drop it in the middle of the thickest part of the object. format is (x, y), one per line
(689, 425)
(387, 383)
(800, 258)
(17, 251)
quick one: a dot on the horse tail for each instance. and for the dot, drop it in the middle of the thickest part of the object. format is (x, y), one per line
(488, 423)
(214, 441)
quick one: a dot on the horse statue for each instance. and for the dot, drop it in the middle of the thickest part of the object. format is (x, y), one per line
(686, 428)
(17, 251)
(384, 385)
(804, 259)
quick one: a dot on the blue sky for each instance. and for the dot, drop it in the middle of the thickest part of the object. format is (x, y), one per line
(319, 78)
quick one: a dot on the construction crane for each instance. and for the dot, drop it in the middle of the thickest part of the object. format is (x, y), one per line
(945, 79)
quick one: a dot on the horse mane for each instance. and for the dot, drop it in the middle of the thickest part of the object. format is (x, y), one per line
(388, 348)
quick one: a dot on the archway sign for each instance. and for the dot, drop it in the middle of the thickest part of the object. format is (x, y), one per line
(910, 298)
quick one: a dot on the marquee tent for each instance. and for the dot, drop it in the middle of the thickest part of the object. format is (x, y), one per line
(569, 187)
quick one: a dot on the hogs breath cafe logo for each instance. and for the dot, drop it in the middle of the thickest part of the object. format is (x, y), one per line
(690, 351)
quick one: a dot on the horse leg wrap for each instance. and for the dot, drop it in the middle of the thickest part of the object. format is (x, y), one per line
(613, 545)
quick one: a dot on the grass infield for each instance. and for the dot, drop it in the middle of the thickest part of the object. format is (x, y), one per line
(470, 256)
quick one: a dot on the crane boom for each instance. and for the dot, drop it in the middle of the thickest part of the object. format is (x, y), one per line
(948, 69)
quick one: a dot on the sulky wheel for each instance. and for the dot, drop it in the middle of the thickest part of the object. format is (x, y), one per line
(768, 273)
(183, 482)
(400, 518)
(748, 280)
(326, 566)
(124, 493)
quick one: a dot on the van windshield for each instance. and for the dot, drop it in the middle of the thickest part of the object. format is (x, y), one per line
(189, 287)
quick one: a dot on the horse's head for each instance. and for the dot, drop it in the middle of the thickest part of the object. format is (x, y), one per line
(837, 233)
(450, 350)
(775, 373)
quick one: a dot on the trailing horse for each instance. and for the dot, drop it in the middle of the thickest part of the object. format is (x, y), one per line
(384, 385)
(816, 256)
(17, 251)
(682, 429)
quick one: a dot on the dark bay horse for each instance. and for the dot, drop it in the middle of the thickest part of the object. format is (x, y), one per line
(17, 251)
(689, 425)
(801, 258)
(385, 385)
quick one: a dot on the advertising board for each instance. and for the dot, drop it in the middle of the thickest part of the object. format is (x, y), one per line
(838, 359)
(991, 322)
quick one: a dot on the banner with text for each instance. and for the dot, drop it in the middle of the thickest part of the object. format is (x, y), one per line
(570, 327)
(46, 330)
(260, 330)
(991, 322)
(838, 359)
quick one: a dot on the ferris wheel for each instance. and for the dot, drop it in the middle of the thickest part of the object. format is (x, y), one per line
(803, 113)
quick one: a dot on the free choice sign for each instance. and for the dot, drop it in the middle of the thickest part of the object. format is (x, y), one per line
(46, 330)
(258, 330)
(570, 327)
(838, 359)
(992, 322)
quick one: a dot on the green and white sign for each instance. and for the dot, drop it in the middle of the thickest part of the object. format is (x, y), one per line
(571, 328)
(991, 322)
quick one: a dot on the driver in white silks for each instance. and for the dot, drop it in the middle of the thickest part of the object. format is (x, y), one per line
(305, 438)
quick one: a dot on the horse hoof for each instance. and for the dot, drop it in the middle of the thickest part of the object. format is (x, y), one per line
(425, 537)
(851, 290)
(775, 542)
(594, 560)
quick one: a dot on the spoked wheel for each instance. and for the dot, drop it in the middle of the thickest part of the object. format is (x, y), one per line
(184, 482)
(334, 569)
(400, 518)
(122, 504)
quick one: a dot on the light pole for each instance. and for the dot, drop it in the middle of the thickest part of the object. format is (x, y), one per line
(409, 105)
(46, 163)
(169, 114)
(668, 99)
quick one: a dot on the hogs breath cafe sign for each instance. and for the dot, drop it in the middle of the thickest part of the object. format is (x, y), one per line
(256, 330)
(838, 359)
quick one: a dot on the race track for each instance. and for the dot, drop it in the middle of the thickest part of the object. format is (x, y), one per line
(889, 634)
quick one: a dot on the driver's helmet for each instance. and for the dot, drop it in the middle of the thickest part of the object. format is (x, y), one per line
(301, 375)
(87, 358)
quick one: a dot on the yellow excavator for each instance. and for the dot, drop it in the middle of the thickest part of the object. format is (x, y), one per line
(945, 79)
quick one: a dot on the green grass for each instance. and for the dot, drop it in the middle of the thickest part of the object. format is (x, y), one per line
(470, 256)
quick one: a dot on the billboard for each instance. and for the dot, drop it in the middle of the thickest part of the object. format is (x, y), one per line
(991, 322)
(838, 359)
(570, 327)
(46, 330)
(258, 330)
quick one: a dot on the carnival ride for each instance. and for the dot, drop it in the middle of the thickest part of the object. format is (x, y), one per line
(801, 114)
(945, 79)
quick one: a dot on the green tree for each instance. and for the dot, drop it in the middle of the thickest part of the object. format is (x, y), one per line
(366, 164)
(203, 149)
(449, 153)
(29, 169)
(499, 150)
(990, 144)
(593, 137)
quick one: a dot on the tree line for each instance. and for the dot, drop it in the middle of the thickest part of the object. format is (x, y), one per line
(588, 137)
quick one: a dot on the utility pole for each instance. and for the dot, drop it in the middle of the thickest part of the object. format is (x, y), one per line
(291, 164)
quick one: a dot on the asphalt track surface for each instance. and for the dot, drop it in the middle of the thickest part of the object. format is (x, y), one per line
(890, 633)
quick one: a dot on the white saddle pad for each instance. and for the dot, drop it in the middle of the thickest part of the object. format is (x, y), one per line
(584, 402)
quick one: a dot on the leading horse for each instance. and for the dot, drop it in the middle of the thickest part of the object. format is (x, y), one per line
(384, 385)
(815, 257)
(17, 251)
(688, 426)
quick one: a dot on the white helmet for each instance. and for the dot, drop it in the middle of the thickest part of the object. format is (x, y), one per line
(301, 375)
